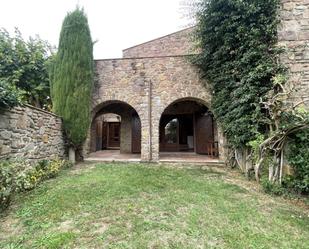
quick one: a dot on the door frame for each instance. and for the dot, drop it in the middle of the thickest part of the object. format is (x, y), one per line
(108, 147)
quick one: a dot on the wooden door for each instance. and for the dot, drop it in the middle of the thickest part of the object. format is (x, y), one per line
(136, 134)
(104, 135)
(204, 134)
(114, 135)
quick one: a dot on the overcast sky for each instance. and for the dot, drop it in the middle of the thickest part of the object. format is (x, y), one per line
(115, 24)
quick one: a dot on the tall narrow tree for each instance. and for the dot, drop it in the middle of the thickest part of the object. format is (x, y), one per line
(72, 78)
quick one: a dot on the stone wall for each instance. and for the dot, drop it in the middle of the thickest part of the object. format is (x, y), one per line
(178, 43)
(30, 133)
(126, 134)
(294, 37)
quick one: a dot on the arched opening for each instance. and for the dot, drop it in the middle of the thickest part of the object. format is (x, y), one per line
(115, 131)
(187, 127)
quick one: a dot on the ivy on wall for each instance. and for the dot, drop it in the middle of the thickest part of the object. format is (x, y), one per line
(239, 57)
(237, 40)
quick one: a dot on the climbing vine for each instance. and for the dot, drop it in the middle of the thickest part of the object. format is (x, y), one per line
(239, 58)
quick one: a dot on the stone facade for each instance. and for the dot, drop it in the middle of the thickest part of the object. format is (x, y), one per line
(30, 133)
(149, 85)
(294, 37)
(178, 43)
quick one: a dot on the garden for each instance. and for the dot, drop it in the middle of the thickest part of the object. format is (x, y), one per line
(152, 206)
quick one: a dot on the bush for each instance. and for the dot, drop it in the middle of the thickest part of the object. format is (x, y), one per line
(6, 182)
(298, 157)
(17, 176)
(272, 188)
(12, 179)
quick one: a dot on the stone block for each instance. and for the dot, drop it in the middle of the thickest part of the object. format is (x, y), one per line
(4, 149)
(22, 122)
(45, 138)
(4, 122)
(6, 134)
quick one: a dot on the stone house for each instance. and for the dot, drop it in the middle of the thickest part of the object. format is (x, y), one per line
(162, 101)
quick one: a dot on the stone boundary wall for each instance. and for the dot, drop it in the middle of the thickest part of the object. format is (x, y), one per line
(178, 43)
(30, 133)
(294, 38)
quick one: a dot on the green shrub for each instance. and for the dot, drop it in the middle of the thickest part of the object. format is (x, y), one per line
(17, 176)
(6, 182)
(66, 164)
(298, 157)
(272, 188)
(12, 179)
(54, 168)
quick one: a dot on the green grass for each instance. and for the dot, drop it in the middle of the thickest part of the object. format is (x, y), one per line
(140, 206)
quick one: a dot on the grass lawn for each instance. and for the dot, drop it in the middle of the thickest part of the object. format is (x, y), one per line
(140, 206)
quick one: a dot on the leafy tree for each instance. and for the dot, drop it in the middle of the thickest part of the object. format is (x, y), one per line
(9, 95)
(23, 66)
(72, 77)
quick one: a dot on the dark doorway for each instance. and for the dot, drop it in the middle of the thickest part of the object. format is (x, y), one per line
(176, 133)
(116, 126)
(188, 126)
(113, 141)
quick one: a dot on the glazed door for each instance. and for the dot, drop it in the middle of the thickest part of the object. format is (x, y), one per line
(204, 134)
(114, 135)
(136, 134)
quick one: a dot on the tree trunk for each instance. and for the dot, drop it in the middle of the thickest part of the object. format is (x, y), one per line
(281, 166)
(270, 172)
(240, 160)
(248, 162)
(72, 157)
(257, 169)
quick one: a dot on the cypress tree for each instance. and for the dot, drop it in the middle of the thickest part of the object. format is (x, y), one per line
(72, 78)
